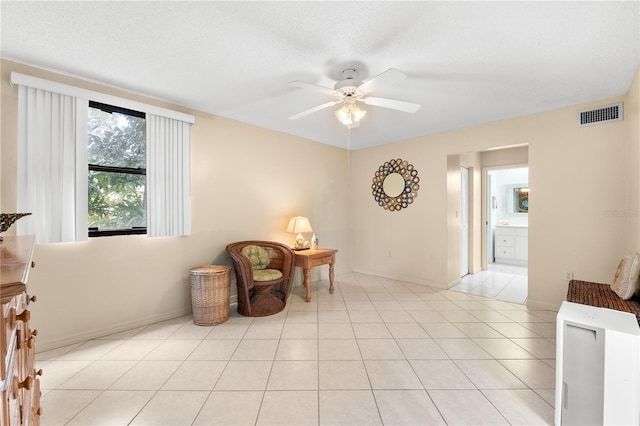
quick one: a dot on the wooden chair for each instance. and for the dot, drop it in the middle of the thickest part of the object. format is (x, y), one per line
(264, 271)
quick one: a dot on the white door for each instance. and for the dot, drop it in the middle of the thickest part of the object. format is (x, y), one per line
(492, 203)
(464, 221)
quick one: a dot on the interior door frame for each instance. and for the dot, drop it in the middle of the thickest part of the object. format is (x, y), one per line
(465, 209)
(485, 207)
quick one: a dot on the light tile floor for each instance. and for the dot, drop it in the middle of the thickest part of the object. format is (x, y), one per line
(377, 351)
(499, 281)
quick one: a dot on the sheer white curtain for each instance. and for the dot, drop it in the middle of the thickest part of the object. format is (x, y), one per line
(52, 165)
(168, 177)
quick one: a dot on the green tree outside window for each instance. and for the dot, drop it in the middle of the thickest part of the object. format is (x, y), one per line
(117, 172)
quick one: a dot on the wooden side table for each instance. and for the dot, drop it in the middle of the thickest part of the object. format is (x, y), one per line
(307, 259)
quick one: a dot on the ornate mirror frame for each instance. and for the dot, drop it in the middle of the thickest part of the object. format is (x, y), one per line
(406, 195)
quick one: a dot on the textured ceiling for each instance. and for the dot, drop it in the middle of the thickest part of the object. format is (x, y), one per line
(466, 62)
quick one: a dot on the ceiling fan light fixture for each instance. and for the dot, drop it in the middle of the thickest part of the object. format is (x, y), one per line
(349, 90)
(358, 114)
(349, 113)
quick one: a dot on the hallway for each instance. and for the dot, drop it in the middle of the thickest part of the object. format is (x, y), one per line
(499, 281)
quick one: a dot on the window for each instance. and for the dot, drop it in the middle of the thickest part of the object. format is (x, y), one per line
(134, 157)
(117, 201)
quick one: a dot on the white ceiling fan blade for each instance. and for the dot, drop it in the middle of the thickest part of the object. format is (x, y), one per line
(383, 79)
(314, 109)
(305, 85)
(392, 104)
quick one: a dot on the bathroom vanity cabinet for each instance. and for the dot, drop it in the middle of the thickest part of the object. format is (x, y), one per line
(511, 244)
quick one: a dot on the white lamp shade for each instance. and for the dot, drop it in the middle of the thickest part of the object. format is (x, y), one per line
(299, 224)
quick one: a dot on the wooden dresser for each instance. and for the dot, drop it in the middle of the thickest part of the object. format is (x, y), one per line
(20, 385)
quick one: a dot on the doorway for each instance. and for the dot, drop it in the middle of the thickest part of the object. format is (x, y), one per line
(506, 194)
(504, 198)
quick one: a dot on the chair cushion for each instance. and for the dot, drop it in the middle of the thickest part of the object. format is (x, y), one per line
(257, 255)
(262, 275)
(625, 282)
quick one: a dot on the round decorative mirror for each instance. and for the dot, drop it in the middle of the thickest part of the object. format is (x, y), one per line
(395, 185)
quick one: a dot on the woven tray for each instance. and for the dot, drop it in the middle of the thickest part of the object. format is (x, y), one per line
(210, 294)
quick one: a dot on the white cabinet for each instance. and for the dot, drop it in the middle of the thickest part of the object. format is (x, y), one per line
(511, 245)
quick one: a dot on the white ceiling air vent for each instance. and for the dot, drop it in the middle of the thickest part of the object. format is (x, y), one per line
(604, 114)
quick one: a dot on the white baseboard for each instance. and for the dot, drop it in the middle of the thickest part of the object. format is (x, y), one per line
(43, 344)
(542, 305)
(408, 279)
(454, 283)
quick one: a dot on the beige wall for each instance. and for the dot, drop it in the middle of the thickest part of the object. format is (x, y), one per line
(243, 187)
(632, 116)
(577, 177)
(505, 157)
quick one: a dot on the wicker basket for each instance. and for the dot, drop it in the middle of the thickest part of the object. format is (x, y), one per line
(210, 294)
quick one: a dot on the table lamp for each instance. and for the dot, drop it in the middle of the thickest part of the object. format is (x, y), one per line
(298, 225)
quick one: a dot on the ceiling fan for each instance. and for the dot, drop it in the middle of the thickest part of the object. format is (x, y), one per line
(350, 90)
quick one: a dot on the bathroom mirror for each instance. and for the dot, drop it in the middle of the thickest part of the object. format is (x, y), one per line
(521, 200)
(395, 185)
